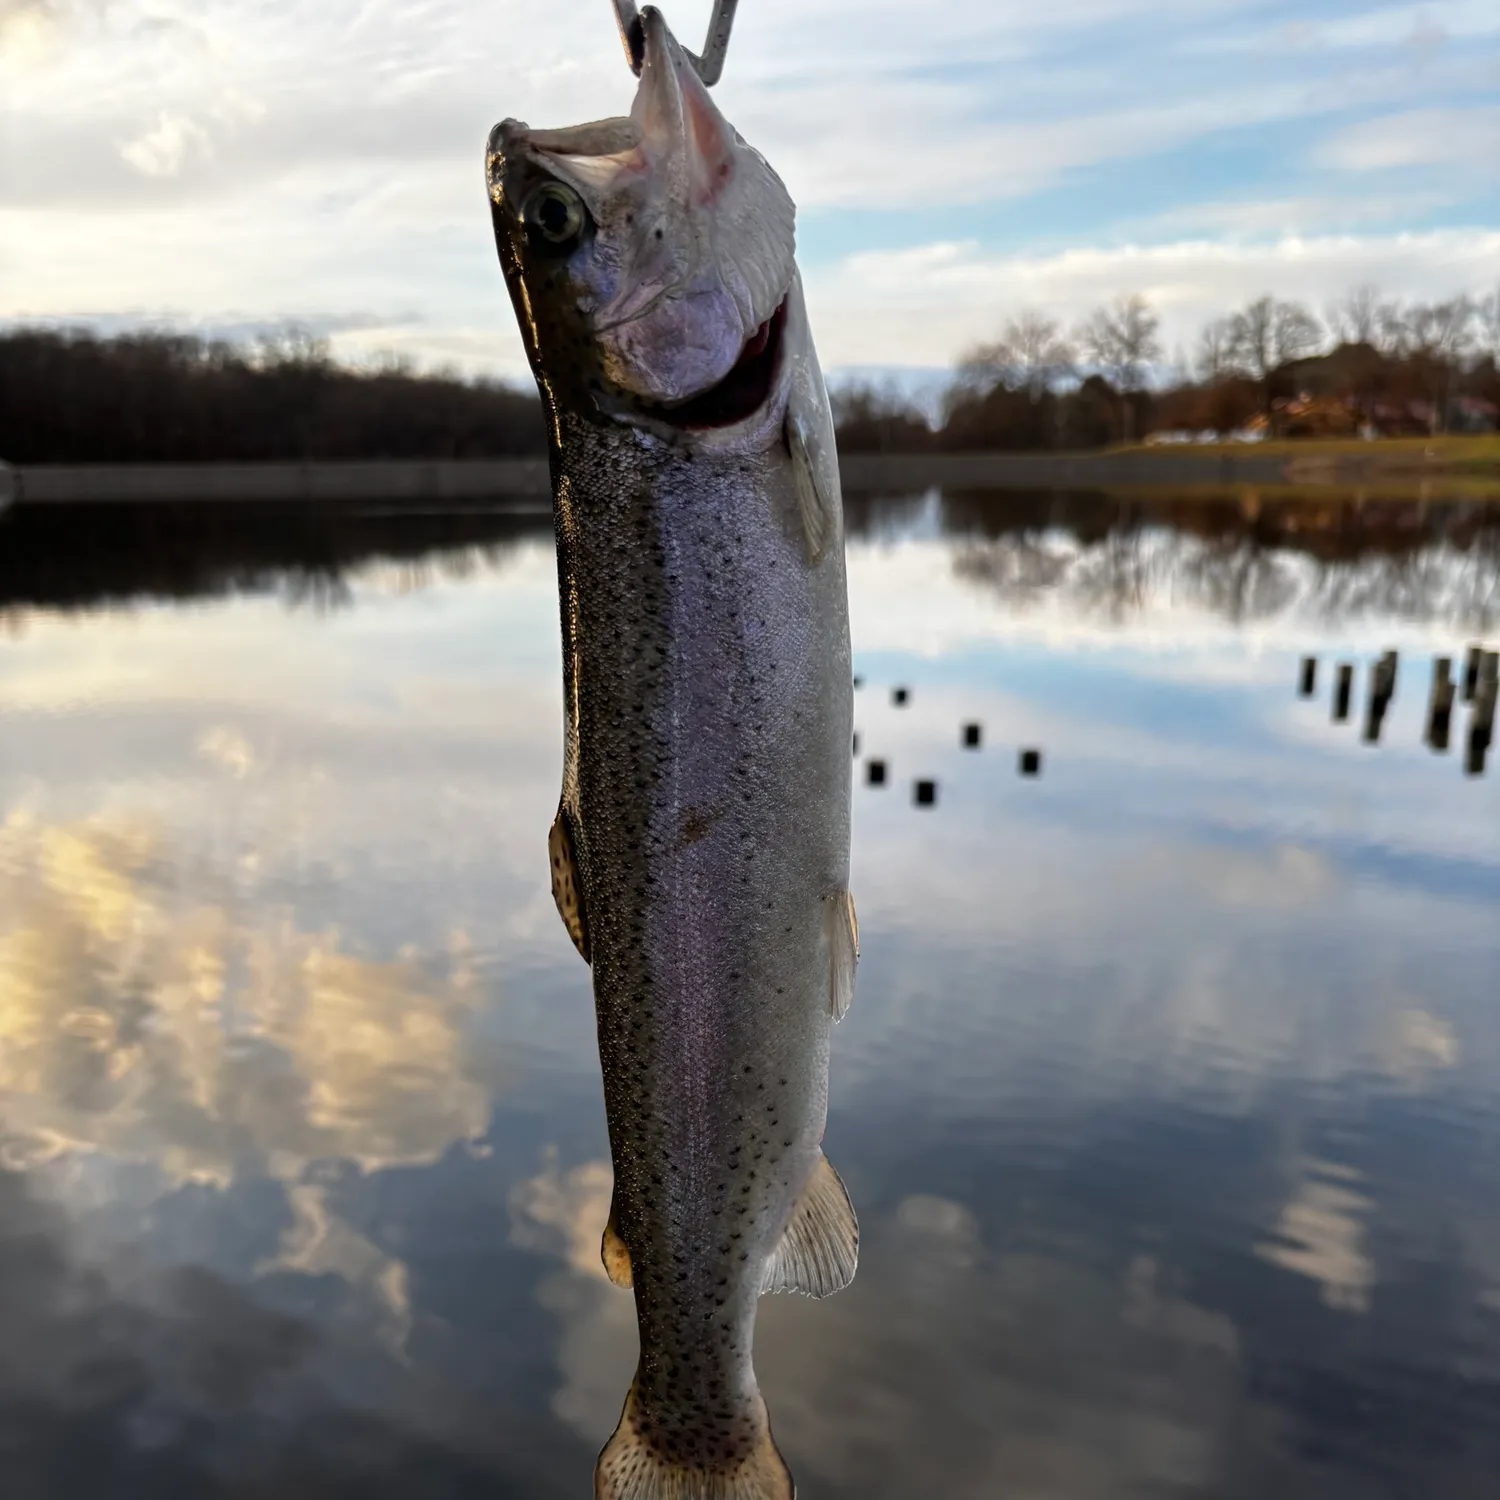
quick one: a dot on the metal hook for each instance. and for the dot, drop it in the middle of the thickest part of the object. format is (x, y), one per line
(709, 66)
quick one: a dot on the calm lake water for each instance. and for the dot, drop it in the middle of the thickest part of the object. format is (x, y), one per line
(1169, 1099)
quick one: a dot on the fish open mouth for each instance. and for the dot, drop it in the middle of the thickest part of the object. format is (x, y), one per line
(745, 389)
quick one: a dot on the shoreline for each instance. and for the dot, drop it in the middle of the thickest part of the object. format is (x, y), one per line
(425, 484)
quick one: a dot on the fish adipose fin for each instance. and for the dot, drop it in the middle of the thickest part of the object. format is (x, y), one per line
(615, 1254)
(818, 1253)
(843, 952)
(567, 890)
(630, 1469)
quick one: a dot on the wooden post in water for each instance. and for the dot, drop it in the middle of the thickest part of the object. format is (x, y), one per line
(1382, 690)
(1343, 691)
(1309, 682)
(1440, 709)
(1471, 672)
(1482, 722)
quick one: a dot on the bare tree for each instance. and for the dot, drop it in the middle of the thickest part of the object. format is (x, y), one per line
(1215, 357)
(293, 346)
(1121, 340)
(1268, 334)
(1487, 326)
(1031, 355)
(1437, 336)
(873, 418)
(1357, 316)
(1442, 331)
(1395, 334)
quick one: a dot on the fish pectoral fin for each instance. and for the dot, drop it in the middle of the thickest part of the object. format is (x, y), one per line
(630, 1467)
(843, 952)
(615, 1253)
(567, 890)
(818, 1253)
(815, 474)
(810, 438)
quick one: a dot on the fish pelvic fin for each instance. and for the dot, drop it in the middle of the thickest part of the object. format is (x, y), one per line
(615, 1253)
(819, 1252)
(843, 951)
(631, 1468)
(567, 889)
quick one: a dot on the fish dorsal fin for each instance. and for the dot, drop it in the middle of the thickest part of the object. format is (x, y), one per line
(810, 440)
(567, 890)
(843, 951)
(820, 1249)
(615, 1253)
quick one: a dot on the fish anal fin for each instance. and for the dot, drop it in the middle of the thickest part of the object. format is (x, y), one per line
(615, 1254)
(819, 1252)
(630, 1468)
(843, 951)
(567, 889)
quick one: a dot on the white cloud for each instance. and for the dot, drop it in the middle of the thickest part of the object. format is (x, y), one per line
(162, 150)
(1296, 216)
(933, 300)
(1417, 138)
(212, 162)
(1422, 26)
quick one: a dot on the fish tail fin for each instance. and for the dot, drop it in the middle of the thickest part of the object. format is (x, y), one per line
(706, 1468)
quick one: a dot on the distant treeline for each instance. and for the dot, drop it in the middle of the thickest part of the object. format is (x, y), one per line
(72, 397)
(1371, 366)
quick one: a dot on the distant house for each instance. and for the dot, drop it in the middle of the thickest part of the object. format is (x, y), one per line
(1472, 414)
(1307, 415)
(1401, 418)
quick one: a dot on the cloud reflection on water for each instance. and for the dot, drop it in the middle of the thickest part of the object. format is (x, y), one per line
(1162, 1101)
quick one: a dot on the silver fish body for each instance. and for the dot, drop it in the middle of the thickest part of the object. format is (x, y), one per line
(701, 848)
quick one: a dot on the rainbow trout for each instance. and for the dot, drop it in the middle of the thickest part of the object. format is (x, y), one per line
(700, 855)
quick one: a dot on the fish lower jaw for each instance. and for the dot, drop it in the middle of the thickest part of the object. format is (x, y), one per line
(743, 392)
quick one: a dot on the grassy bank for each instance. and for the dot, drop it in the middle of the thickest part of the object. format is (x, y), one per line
(1353, 459)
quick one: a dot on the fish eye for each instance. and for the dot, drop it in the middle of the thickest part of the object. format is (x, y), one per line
(554, 216)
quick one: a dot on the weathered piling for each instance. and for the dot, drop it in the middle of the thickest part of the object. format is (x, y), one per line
(1382, 690)
(1481, 724)
(1343, 691)
(1440, 705)
(1472, 664)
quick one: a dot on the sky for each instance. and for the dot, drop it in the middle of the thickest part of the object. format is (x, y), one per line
(229, 165)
